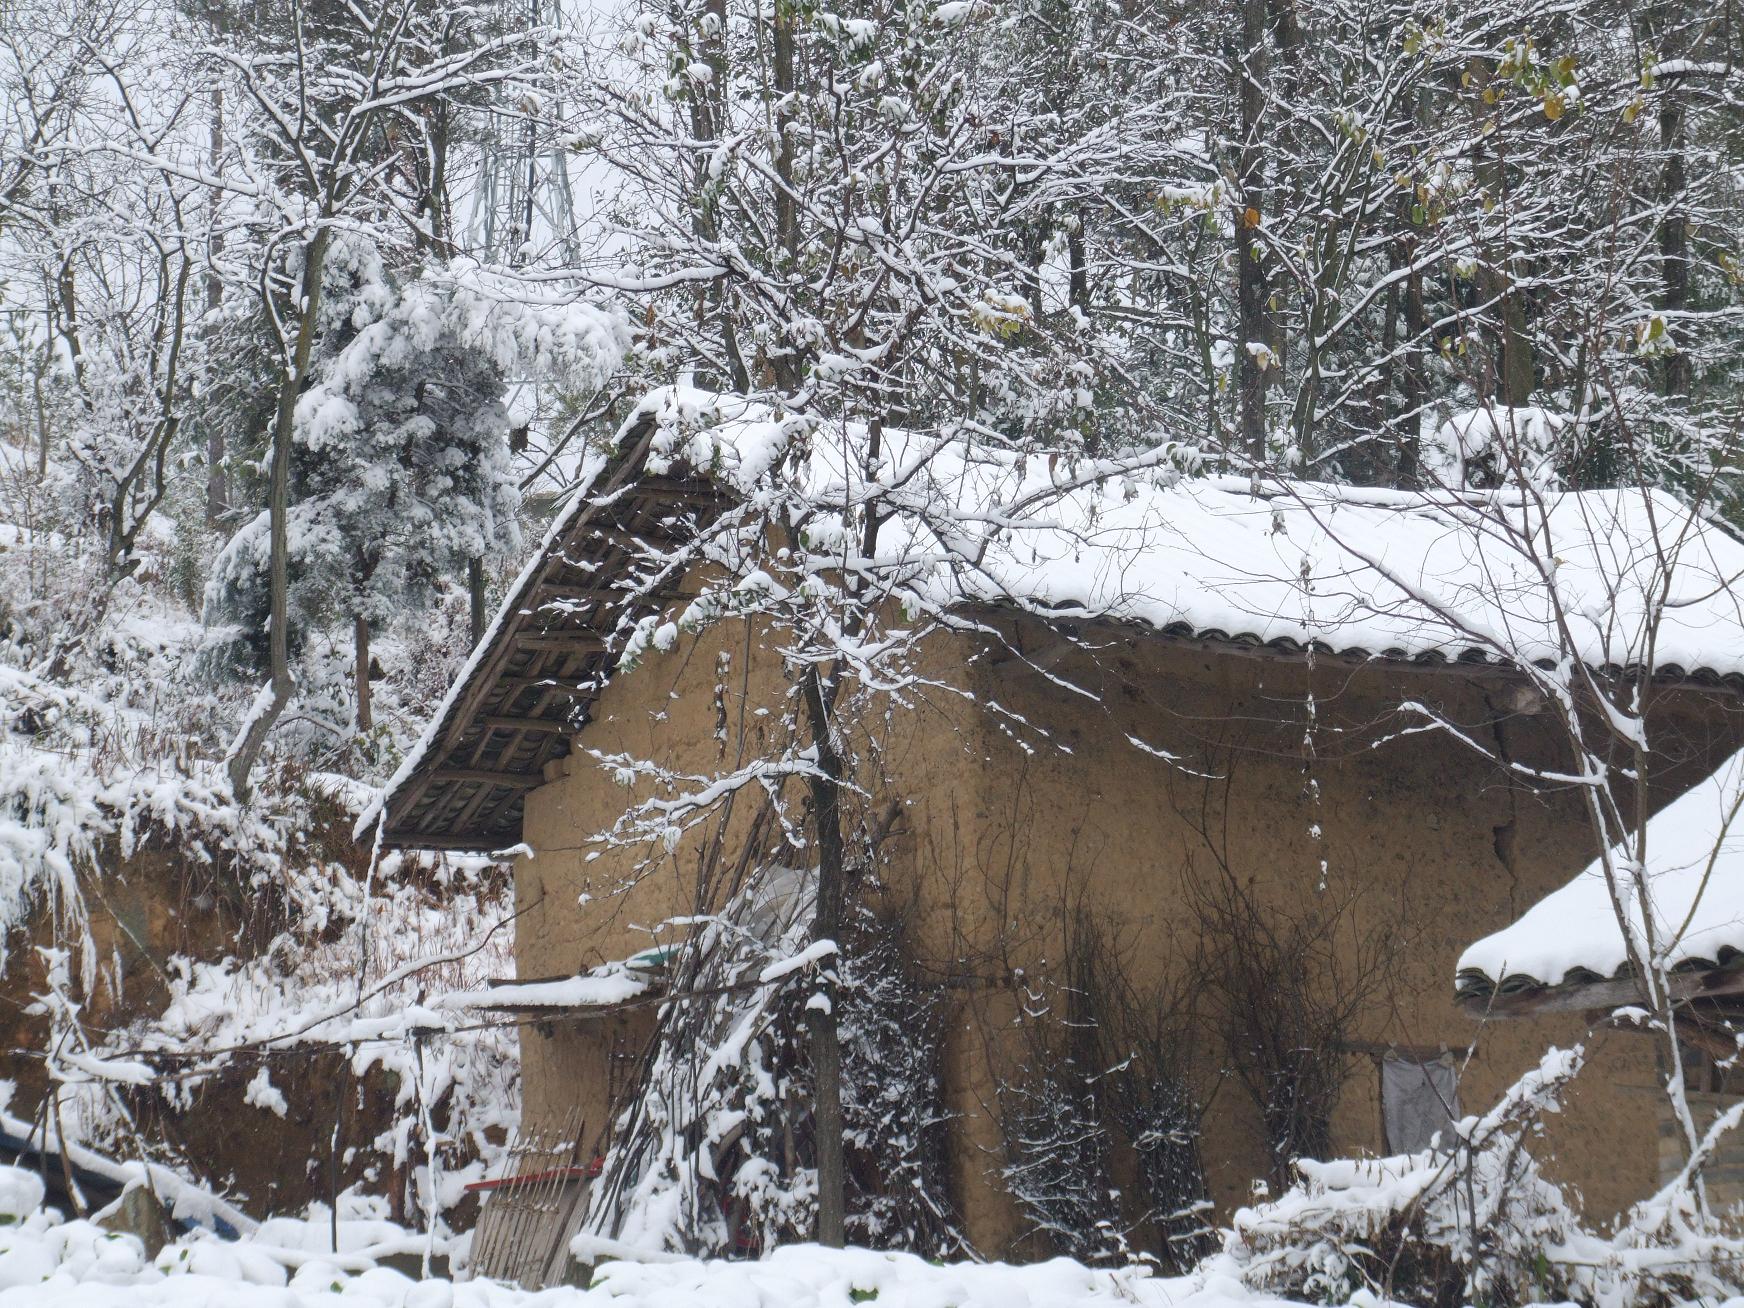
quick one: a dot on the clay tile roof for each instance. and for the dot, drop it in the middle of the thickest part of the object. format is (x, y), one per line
(1567, 951)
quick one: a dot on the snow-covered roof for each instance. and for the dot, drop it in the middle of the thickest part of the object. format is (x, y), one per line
(1359, 570)
(1468, 576)
(1571, 937)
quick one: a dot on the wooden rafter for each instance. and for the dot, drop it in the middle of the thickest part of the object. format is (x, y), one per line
(572, 642)
(533, 726)
(507, 780)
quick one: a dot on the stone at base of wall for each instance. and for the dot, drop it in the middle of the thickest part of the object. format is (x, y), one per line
(138, 1213)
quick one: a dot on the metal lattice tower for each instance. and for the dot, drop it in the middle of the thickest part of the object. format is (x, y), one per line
(523, 192)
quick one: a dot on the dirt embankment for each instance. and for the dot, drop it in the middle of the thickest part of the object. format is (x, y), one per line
(147, 913)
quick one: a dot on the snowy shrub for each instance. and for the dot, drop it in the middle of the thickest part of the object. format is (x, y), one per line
(895, 1119)
(260, 979)
(1286, 979)
(1160, 1116)
(329, 1011)
(102, 782)
(1108, 1080)
(1468, 1222)
(433, 649)
(1493, 445)
(1146, 1047)
(714, 1153)
(1059, 1165)
(1059, 1170)
(1474, 1220)
(329, 984)
(85, 780)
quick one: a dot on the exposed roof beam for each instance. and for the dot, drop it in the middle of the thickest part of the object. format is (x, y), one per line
(534, 726)
(507, 780)
(552, 683)
(576, 642)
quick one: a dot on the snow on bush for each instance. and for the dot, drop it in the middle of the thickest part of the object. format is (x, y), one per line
(72, 784)
(1470, 1221)
(1474, 1220)
(714, 1155)
(697, 1163)
(21, 1194)
(1496, 444)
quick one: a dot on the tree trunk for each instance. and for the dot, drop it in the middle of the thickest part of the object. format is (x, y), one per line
(246, 750)
(1415, 390)
(1673, 237)
(360, 645)
(1253, 373)
(39, 370)
(66, 288)
(1518, 368)
(217, 481)
(711, 296)
(434, 199)
(826, 1046)
(826, 785)
(1079, 259)
(475, 597)
(819, 694)
(1515, 371)
(786, 205)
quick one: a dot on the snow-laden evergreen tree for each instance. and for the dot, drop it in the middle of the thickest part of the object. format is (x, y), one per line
(400, 471)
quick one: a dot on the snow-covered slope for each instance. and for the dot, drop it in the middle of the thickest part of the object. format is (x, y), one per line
(264, 933)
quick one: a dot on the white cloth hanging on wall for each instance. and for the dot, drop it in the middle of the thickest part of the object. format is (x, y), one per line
(1417, 1100)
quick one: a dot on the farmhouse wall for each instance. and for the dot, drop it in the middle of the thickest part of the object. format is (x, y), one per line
(1112, 780)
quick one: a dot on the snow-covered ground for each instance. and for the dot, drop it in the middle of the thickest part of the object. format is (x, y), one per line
(288, 1263)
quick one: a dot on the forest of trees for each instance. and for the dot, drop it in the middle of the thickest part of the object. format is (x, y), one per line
(280, 274)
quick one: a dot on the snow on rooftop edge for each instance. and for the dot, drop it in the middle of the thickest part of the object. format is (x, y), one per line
(612, 984)
(1575, 927)
(1375, 571)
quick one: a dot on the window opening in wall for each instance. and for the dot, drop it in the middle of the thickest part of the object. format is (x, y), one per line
(1703, 1074)
(1419, 1097)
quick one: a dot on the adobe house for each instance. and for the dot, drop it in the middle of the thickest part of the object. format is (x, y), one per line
(1211, 697)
